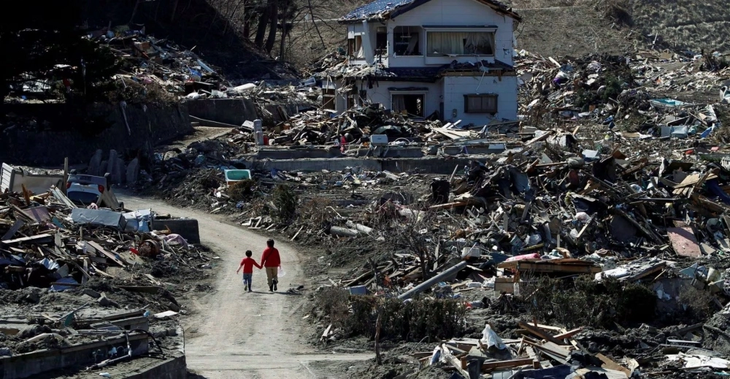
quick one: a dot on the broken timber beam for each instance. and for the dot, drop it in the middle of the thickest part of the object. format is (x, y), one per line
(540, 333)
(430, 282)
(116, 259)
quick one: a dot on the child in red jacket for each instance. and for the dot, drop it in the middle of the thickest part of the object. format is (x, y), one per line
(247, 264)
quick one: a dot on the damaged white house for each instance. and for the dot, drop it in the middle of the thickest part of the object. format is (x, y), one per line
(453, 58)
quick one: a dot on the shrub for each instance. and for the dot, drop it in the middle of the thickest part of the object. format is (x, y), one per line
(242, 190)
(583, 301)
(285, 201)
(410, 321)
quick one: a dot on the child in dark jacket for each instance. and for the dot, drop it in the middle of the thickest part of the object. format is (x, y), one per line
(247, 265)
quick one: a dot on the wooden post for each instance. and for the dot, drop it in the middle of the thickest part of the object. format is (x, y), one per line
(378, 327)
(65, 175)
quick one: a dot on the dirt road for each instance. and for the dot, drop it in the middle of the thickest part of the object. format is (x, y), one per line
(234, 334)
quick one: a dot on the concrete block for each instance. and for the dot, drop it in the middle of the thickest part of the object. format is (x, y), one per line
(133, 171)
(95, 163)
(188, 228)
(46, 361)
(111, 162)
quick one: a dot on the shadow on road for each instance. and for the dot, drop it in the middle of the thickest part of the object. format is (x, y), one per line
(192, 375)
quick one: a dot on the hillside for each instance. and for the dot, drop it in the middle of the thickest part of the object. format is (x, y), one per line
(550, 28)
(578, 27)
(570, 27)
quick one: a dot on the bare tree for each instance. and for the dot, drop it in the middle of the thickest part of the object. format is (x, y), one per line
(414, 235)
(262, 23)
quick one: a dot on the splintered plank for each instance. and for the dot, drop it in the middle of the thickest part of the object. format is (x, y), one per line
(109, 255)
(608, 363)
(40, 238)
(491, 366)
(540, 333)
(568, 334)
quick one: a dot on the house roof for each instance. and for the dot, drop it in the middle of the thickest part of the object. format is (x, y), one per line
(384, 9)
(433, 74)
(416, 74)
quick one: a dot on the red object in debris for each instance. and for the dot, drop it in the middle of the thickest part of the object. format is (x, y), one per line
(134, 251)
(523, 257)
(688, 152)
(266, 140)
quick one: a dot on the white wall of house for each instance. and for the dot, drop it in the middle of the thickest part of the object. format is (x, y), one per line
(455, 87)
(432, 96)
(452, 13)
(444, 16)
(362, 32)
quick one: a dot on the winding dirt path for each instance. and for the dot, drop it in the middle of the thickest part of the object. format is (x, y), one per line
(235, 334)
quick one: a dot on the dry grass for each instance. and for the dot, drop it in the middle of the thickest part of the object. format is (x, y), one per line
(317, 211)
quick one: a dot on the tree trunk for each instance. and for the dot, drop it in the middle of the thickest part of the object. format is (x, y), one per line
(282, 42)
(134, 11)
(274, 20)
(261, 30)
(247, 29)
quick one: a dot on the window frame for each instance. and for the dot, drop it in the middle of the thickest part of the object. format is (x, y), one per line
(355, 47)
(419, 30)
(419, 92)
(482, 110)
(491, 30)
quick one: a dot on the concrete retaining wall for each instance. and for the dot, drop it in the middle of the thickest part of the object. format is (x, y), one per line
(271, 152)
(422, 165)
(230, 111)
(70, 132)
(170, 368)
(236, 111)
(25, 365)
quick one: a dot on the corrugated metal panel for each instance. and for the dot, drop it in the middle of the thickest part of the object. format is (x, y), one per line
(7, 176)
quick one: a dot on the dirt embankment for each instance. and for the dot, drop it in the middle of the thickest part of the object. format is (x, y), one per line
(577, 27)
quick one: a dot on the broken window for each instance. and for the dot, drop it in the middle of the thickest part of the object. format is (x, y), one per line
(460, 43)
(381, 41)
(410, 104)
(480, 104)
(406, 40)
(354, 47)
(328, 98)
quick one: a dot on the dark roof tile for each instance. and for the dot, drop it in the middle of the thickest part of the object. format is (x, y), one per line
(385, 7)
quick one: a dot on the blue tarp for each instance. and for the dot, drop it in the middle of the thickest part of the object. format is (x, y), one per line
(100, 217)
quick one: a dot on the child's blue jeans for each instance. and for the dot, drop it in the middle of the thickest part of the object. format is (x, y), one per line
(247, 279)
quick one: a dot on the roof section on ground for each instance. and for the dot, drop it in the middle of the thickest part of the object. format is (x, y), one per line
(383, 9)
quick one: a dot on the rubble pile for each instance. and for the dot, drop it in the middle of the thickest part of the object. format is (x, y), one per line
(621, 183)
(354, 126)
(634, 93)
(161, 63)
(72, 277)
